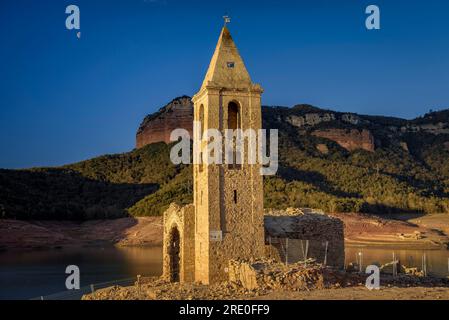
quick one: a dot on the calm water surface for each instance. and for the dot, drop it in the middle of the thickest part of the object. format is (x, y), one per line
(25, 275)
(30, 274)
(437, 260)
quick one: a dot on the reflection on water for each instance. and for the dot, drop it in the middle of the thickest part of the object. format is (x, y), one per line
(25, 275)
(437, 260)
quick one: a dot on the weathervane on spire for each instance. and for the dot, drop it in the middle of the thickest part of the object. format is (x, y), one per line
(227, 19)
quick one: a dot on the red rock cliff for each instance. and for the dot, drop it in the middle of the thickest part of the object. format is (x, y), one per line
(158, 126)
(178, 113)
(349, 139)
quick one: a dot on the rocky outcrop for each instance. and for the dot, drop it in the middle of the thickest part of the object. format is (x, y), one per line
(310, 119)
(314, 118)
(404, 146)
(157, 127)
(349, 130)
(351, 139)
(321, 147)
(437, 128)
(351, 118)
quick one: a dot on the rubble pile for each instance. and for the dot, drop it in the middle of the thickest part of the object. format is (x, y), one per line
(387, 268)
(250, 279)
(271, 275)
(163, 290)
(113, 293)
(246, 280)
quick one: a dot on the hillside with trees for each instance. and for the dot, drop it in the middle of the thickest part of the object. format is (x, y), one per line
(408, 171)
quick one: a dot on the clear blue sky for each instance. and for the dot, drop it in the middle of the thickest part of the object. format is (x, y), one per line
(64, 99)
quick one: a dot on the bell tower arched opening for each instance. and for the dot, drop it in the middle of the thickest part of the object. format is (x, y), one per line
(234, 123)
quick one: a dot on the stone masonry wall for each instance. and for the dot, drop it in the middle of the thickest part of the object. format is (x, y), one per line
(182, 218)
(215, 189)
(308, 232)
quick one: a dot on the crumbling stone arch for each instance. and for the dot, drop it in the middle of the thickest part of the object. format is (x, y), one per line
(234, 122)
(178, 246)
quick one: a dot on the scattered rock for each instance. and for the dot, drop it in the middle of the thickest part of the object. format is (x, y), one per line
(322, 148)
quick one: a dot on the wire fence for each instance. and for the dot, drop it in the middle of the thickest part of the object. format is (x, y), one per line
(297, 250)
(334, 253)
(422, 263)
(77, 294)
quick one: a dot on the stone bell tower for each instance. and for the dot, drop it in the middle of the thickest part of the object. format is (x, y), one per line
(228, 198)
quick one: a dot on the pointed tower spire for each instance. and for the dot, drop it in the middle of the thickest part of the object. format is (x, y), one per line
(228, 198)
(226, 68)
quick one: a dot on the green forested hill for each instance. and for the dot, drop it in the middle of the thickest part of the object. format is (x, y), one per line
(144, 181)
(103, 187)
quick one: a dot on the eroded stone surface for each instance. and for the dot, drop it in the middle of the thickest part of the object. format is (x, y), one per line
(157, 127)
(351, 139)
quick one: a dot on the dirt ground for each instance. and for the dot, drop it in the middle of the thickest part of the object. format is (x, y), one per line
(362, 293)
(433, 221)
(351, 293)
(144, 231)
(418, 232)
(412, 231)
(285, 283)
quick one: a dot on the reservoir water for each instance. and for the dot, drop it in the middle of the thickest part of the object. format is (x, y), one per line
(437, 261)
(31, 274)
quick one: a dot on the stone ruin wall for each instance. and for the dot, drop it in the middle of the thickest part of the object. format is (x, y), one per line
(299, 226)
(182, 218)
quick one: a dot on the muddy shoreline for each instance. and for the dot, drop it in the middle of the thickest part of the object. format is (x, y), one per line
(414, 232)
(41, 235)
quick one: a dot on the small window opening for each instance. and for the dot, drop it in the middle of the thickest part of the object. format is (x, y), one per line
(201, 165)
(235, 196)
(231, 64)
